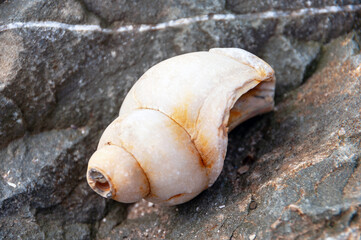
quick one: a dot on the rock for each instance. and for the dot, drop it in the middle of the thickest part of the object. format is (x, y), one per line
(75, 216)
(241, 6)
(117, 214)
(43, 183)
(293, 61)
(303, 179)
(68, 11)
(46, 163)
(319, 27)
(303, 26)
(63, 79)
(150, 11)
(11, 46)
(11, 122)
(77, 231)
(20, 226)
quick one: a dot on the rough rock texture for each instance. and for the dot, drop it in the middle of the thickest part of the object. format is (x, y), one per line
(291, 173)
(148, 11)
(298, 60)
(69, 11)
(241, 6)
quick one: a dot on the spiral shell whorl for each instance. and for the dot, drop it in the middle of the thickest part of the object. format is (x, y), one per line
(173, 124)
(169, 159)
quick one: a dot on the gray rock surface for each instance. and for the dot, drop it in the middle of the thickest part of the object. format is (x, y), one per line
(62, 82)
(68, 11)
(148, 11)
(241, 6)
(298, 60)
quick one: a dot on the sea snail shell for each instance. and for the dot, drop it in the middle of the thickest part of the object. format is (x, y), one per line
(170, 139)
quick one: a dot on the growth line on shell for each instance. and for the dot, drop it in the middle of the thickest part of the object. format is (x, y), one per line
(181, 21)
(144, 172)
(190, 137)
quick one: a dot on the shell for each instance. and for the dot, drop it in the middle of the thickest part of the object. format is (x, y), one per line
(170, 139)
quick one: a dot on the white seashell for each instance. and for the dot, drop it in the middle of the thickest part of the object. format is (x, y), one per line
(170, 139)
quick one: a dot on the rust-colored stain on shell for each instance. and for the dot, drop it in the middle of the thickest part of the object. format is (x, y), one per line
(180, 113)
(181, 133)
(104, 187)
(175, 196)
(233, 115)
(262, 73)
(202, 144)
(144, 190)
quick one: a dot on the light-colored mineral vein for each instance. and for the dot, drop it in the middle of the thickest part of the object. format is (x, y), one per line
(182, 21)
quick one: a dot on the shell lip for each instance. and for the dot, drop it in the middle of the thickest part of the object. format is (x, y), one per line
(100, 182)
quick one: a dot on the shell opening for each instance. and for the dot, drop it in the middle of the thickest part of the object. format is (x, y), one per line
(100, 183)
(256, 101)
(102, 186)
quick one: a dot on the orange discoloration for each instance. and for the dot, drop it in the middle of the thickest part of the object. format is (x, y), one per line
(201, 163)
(149, 192)
(113, 187)
(147, 182)
(178, 131)
(202, 144)
(262, 73)
(233, 116)
(192, 147)
(143, 190)
(103, 187)
(130, 147)
(175, 196)
(151, 196)
(181, 112)
(213, 227)
(209, 164)
(181, 134)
